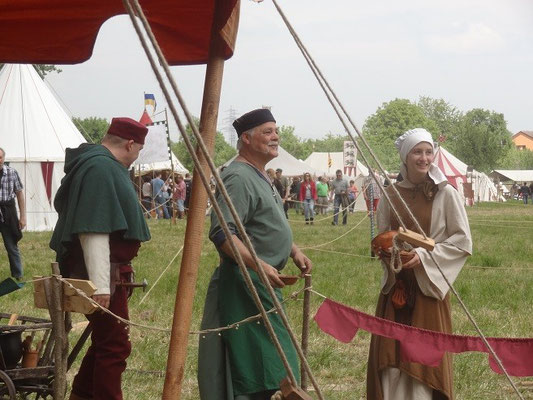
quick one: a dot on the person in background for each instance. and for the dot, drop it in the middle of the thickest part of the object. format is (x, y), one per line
(418, 295)
(147, 196)
(352, 195)
(178, 196)
(11, 225)
(339, 188)
(284, 190)
(294, 193)
(157, 194)
(370, 185)
(188, 185)
(322, 191)
(524, 191)
(308, 197)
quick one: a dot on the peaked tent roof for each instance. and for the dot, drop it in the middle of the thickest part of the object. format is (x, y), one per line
(145, 119)
(319, 160)
(33, 125)
(64, 32)
(453, 168)
(516, 175)
(290, 165)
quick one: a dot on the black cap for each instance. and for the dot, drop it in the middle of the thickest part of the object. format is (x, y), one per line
(252, 119)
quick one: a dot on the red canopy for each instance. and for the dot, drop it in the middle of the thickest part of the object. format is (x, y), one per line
(145, 119)
(64, 31)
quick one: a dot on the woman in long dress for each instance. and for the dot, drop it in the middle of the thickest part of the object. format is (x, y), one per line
(439, 209)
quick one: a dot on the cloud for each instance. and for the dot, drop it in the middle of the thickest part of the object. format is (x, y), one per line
(476, 39)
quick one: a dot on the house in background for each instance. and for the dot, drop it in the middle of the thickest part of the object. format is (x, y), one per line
(523, 140)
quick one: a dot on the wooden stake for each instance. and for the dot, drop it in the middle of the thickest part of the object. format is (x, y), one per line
(54, 294)
(305, 328)
(177, 352)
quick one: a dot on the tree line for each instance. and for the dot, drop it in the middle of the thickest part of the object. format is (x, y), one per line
(478, 137)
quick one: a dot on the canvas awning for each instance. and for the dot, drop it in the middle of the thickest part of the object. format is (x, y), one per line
(64, 32)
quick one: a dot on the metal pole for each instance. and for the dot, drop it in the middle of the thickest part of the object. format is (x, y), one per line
(195, 225)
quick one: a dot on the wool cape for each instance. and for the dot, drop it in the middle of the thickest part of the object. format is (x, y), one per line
(96, 196)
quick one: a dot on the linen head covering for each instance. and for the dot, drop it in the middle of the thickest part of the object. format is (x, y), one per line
(128, 128)
(252, 119)
(405, 144)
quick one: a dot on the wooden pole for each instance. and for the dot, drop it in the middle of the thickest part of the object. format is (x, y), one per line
(305, 328)
(54, 296)
(177, 353)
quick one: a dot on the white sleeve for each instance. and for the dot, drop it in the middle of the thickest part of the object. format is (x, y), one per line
(96, 255)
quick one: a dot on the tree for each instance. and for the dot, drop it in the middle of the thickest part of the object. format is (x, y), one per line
(93, 129)
(43, 69)
(516, 159)
(445, 116)
(390, 120)
(481, 139)
(223, 151)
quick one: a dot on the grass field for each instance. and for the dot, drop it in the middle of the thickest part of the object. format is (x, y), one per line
(496, 285)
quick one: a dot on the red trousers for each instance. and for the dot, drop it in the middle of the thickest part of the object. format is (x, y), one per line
(99, 377)
(376, 201)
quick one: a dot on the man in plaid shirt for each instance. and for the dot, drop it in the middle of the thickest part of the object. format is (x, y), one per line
(10, 225)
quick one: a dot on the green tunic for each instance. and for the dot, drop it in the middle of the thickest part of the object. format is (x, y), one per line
(96, 196)
(254, 362)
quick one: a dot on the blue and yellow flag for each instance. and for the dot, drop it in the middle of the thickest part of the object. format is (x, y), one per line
(149, 100)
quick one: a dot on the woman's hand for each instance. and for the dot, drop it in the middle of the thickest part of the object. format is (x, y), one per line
(413, 262)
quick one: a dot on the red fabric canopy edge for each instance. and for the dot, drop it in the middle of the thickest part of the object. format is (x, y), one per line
(64, 32)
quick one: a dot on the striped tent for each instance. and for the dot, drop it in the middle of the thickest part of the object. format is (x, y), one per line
(453, 168)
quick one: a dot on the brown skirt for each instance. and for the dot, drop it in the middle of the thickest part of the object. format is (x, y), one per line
(428, 313)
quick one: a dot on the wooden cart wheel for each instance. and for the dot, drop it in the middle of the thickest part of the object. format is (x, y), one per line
(7, 388)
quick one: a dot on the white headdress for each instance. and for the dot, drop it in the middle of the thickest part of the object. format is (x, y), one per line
(410, 139)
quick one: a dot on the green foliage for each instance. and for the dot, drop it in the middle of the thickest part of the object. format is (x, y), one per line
(481, 139)
(516, 159)
(302, 148)
(93, 129)
(223, 151)
(443, 114)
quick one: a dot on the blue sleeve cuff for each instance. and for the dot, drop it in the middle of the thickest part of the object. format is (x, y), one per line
(219, 237)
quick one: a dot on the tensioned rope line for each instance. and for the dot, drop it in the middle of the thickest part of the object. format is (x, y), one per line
(322, 81)
(327, 217)
(161, 275)
(292, 296)
(205, 181)
(337, 238)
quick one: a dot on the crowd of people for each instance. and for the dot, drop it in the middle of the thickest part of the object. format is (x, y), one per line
(165, 196)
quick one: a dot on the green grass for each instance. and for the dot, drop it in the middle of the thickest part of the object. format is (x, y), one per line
(498, 295)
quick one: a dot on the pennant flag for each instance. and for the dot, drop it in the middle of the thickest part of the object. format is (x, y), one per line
(145, 119)
(149, 100)
(421, 345)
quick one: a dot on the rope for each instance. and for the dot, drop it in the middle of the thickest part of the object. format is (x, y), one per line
(337, 238)
(160, 275)
(341, 209)
(323, 83)
(201, 146)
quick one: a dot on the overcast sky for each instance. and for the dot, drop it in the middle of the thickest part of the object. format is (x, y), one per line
(471, 53)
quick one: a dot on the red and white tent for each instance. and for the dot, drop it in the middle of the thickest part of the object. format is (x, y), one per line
(34, 132)
(453, 168)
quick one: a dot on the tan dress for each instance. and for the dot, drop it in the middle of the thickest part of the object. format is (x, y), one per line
(422, 310)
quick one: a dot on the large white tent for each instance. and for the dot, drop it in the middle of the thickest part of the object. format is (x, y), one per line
(291, 166)
(321, 161)
(34, 132)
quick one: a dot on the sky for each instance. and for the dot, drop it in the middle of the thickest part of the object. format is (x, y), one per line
(471, 53)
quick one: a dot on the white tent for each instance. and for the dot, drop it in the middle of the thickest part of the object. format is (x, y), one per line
(162, 166)
(34, 132)
(320, 161)
(291, 166)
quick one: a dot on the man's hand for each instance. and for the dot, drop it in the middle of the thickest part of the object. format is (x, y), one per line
(273, 275)
(22, 222)
(102, 299)
(301, 260)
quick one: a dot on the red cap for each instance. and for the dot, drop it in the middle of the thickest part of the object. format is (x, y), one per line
(128, 128)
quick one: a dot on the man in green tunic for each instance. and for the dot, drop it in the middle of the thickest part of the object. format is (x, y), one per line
(243, 364)
(99, 231)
